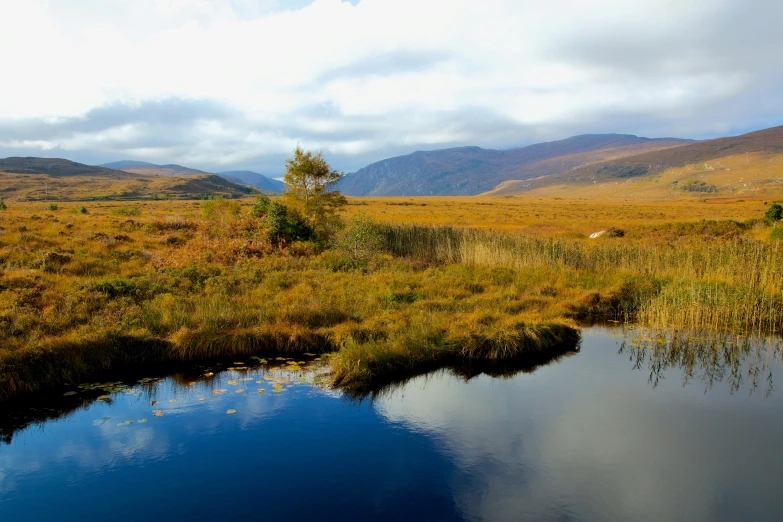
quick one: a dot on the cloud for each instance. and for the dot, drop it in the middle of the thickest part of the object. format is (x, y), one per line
(238, 83)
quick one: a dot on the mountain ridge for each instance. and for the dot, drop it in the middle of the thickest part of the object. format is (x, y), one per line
(471, 170)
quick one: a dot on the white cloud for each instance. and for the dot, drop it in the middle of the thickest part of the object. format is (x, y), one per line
(406, 67)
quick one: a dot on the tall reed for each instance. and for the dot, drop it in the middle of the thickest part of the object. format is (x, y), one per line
(730, 285)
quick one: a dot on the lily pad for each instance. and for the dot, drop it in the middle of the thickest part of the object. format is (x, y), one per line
(68, 394)
(218, 392)
(231, 412)
(157, 413)
(202, 398)
(261, 390)
(233, 382)
(240, 390)
(141, 421)
(172, 400)
(103, 398)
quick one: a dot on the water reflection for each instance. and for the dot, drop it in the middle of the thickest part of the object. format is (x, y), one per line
(587, 440)
(573, 437)
(739, 360)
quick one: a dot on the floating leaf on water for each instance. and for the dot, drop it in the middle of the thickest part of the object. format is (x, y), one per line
(241, 368)
(141, 421)
(239, 363)
(153, 403)
(208, 374)
(263, 361)
(245, 379)
(172, 400)
(233, 382)
(309, 354)
(231, 412)
(103, 398)
(231, 368)
(280, 359)
(68, 394)
(100, 421)
(261, 390)
(202, 398)
(260, 381)
(218, 392)
(157, 413)
(240, 390)
(191, 383)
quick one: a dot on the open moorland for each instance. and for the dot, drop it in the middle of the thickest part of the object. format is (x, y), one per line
(405, 285)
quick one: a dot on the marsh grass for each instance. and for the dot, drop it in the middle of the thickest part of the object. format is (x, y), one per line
(109, 290)
(735, 284)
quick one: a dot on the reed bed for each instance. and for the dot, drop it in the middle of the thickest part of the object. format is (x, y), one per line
(734, 285)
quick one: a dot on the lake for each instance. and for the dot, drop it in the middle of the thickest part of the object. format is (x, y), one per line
(629, 428)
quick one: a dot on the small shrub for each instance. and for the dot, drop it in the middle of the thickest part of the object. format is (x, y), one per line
(774, 213)
(360, 240)
(52, 207)
(777, 233)
(3, 206)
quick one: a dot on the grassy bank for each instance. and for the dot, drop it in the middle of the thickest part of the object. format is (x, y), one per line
(114, 286)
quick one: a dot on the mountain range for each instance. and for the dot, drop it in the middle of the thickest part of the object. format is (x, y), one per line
(473, 170)
(242, 177)
(592, 165)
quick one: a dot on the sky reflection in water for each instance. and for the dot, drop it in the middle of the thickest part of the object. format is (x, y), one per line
(612, 432)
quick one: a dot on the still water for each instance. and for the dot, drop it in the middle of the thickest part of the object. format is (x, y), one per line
(622, 430)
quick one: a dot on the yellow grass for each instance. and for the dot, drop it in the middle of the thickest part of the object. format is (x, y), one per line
(136, 283)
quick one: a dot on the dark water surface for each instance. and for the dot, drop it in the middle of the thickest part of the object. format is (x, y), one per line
(623, 430)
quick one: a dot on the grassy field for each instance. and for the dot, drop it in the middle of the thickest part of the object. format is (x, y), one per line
(115, 285)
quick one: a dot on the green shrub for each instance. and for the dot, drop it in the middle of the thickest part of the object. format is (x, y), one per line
(52, 207)
(777, 233)
(3, 206)
(360, 240)
(774, 213)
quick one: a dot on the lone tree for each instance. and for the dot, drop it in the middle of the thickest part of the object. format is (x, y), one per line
(309, 184)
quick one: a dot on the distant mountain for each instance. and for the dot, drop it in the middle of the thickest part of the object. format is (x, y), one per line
(60, 179)
(142, 167)
(473, 170)
(751, 162)
(254, 179)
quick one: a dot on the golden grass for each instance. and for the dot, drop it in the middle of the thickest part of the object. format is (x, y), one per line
(130, 284)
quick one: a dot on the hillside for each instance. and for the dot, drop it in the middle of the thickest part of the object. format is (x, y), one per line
(151, 169)
(748, 164)
(240, 177)
(473, 170)
(35, 179)
(254, 179)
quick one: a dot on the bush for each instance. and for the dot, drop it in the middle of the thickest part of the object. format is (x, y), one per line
(777, 233)
(774, 213)
(3, 206)
(360, 240)
(52, 207)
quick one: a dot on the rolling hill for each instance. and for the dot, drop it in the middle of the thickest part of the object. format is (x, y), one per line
(151, 169)
(240, 177)
(254, 179)
(748, 164)
(35, 179)
(473, 170)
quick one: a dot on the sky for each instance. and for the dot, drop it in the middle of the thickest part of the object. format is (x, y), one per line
(238, 84)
